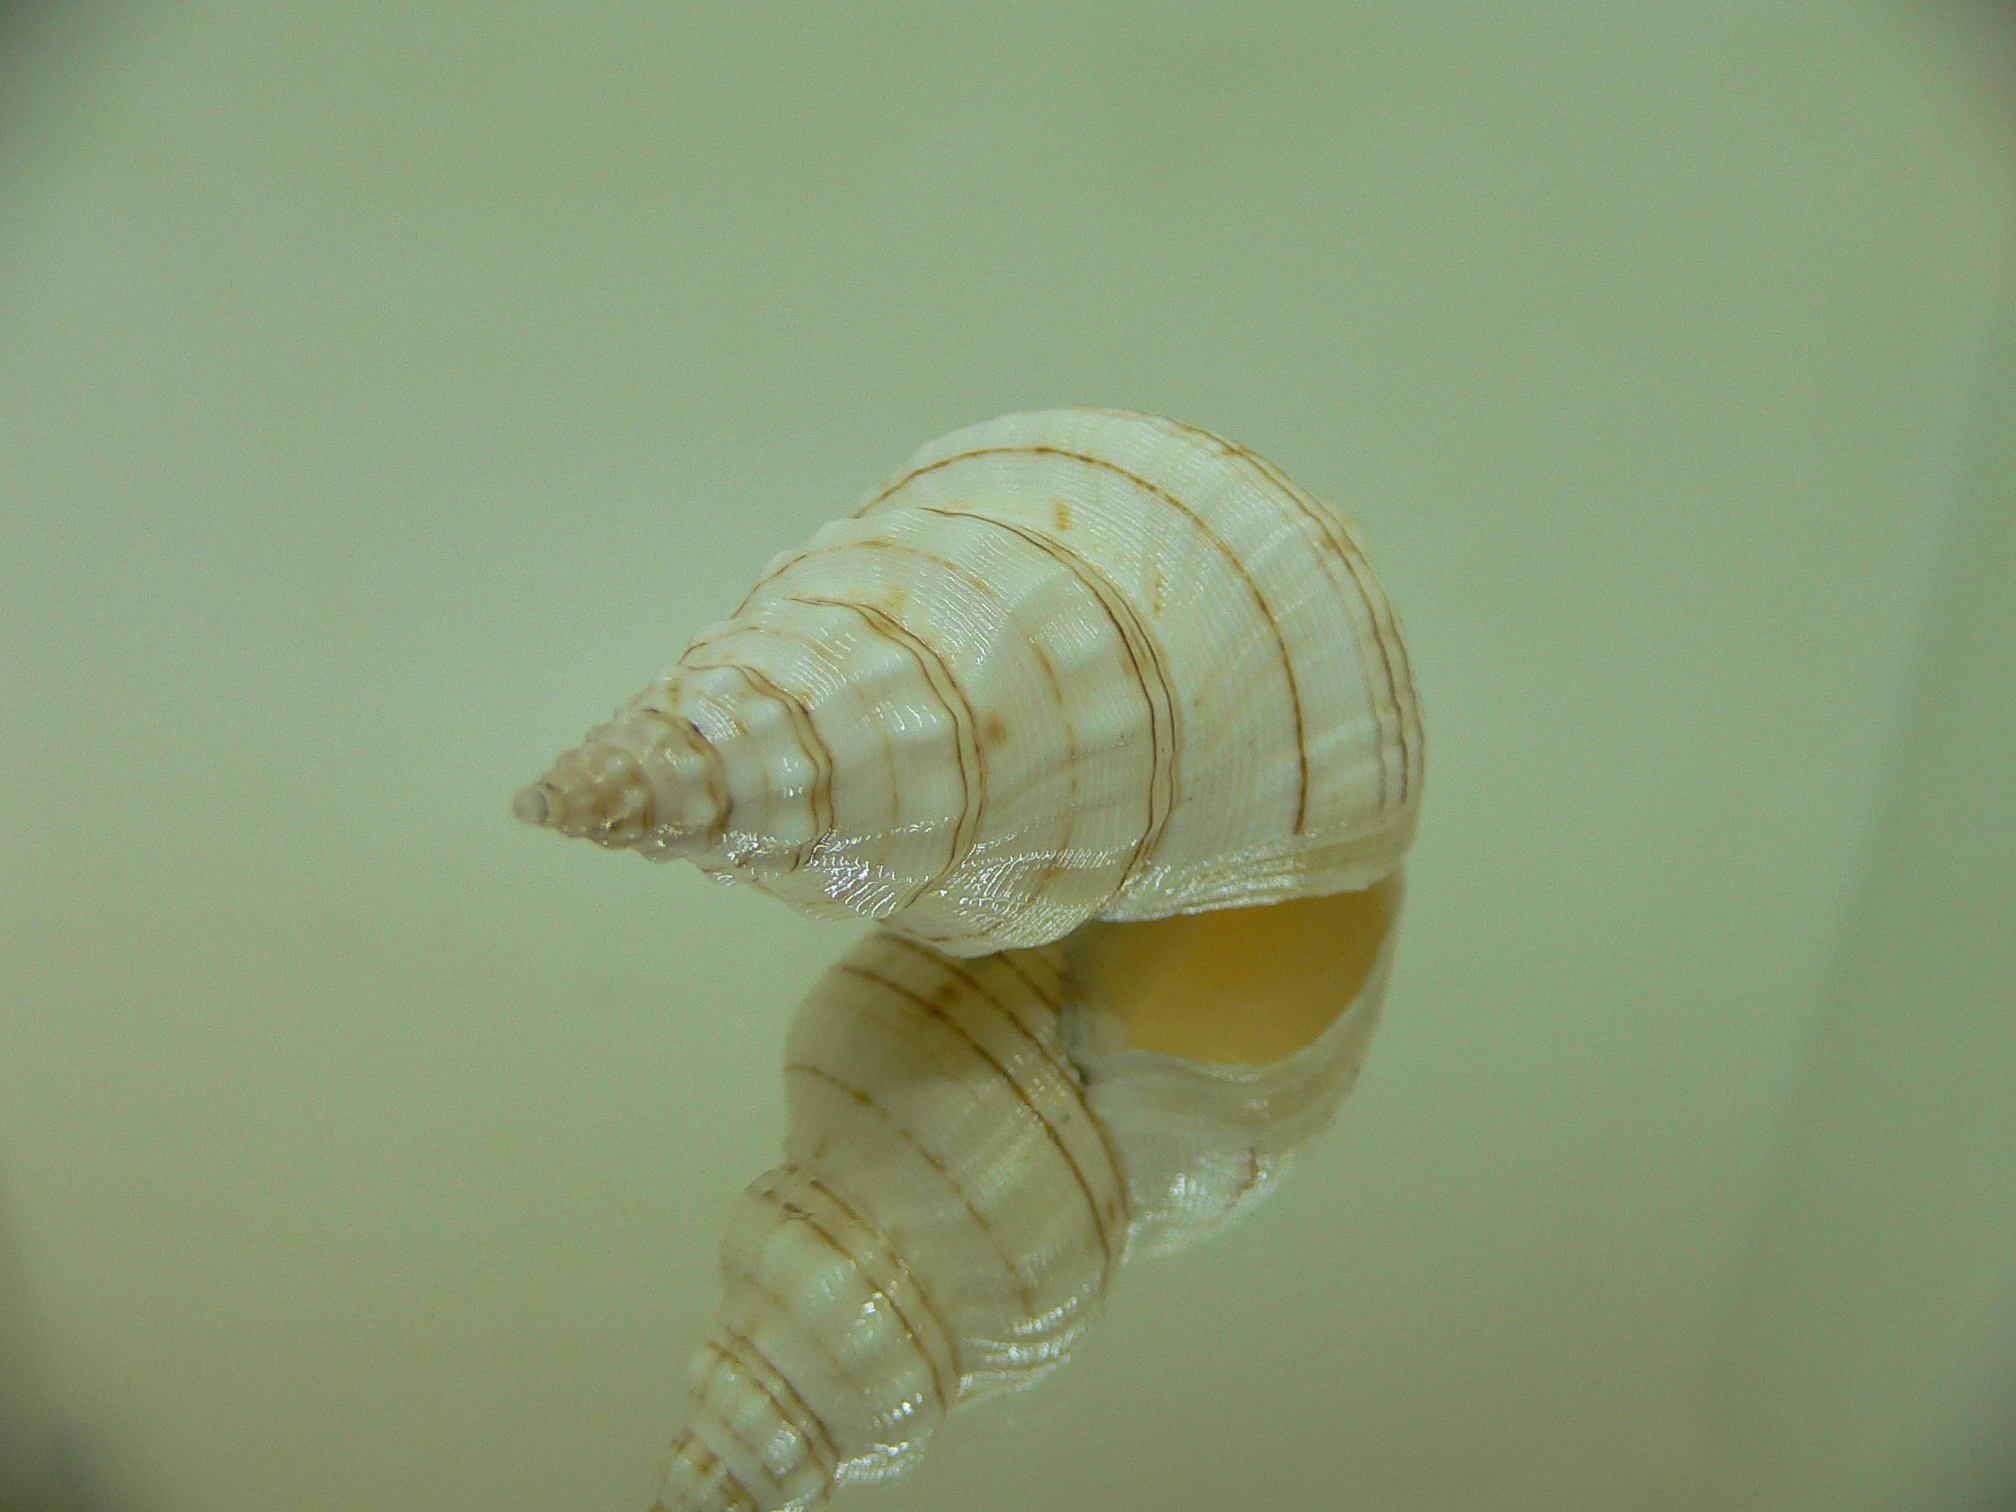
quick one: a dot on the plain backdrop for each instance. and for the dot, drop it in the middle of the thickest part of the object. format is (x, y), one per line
(386, 390)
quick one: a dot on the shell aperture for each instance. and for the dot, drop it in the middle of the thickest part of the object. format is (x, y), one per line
(1065, 665)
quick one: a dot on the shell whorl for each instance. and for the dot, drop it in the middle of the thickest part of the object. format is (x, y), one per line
(1063, 665)
(943, 1227)
(973, 1148)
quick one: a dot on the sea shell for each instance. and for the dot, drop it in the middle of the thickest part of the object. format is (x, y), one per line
(1064, 665)
(974, 1147)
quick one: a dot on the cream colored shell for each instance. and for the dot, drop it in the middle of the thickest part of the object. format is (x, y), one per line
(973, 1148)
(1064, 665)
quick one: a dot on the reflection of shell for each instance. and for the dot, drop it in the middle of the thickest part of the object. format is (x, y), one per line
(1213, 1046)
(1063, 665)
(958, 1190)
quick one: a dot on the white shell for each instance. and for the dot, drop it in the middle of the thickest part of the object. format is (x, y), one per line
(1064, 665)
(959, 1189)
(1201, 1142)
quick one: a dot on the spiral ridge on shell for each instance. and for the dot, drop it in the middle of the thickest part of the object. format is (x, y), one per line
(1064, 665)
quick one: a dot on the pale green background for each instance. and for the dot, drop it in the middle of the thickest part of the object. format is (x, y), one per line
(387, 388)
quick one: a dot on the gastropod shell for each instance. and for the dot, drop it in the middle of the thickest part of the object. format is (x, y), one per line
(1114, 730)
(1066, 665)
(973, 1148)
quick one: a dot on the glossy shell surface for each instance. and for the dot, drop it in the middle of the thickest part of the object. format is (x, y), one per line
(974, 1146)
(1063, 665)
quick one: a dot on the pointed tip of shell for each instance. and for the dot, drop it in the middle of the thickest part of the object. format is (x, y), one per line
(645, 782)
(697, 1481)
(604, 791)
(603, 801)
(532, 806)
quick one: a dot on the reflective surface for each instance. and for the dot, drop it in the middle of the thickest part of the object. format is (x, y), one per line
(974, 1147)
(362, 1151)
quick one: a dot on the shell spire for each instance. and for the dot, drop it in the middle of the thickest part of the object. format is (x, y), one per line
(1068, 665)
(941, 1231)
(645, 781)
